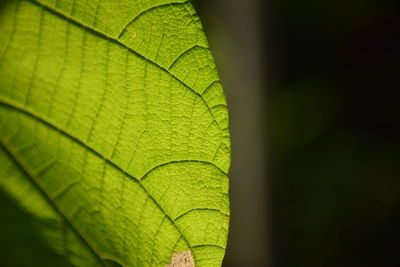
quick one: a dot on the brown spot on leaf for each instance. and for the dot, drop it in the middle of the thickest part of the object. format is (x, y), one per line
(182, 259)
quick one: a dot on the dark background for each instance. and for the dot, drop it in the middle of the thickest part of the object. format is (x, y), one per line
(313, 89)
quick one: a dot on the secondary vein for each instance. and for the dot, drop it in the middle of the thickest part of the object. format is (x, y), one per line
(111, 38)
(65, 133)
(7, 148)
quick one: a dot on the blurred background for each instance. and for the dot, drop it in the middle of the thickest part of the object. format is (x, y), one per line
(313, 90)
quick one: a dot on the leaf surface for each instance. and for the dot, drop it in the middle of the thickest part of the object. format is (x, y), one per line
(114, 130)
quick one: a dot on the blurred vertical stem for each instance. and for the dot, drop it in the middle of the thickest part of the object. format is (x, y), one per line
(234, 30)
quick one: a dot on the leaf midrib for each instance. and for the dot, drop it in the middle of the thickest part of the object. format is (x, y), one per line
(111, 38)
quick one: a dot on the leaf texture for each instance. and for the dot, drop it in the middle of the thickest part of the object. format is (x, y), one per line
(114, 129)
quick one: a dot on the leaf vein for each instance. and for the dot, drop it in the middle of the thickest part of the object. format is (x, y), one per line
(48, 123)
(121, 32)
(110, 38)
(12, 154)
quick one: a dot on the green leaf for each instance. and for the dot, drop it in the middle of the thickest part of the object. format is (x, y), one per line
(114, 130)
